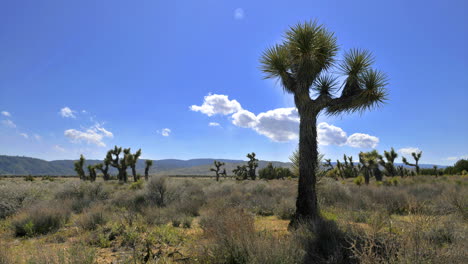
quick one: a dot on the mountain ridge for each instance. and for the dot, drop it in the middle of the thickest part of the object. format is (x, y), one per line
(21, 165)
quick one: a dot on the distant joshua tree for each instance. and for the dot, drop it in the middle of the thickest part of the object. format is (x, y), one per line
(303, 63)
(370, 165)
(217, 169)
(131, 160)
(347, 169)
(416, 157)
(104, 168)
(252, 164)
(118, 162)
(148, 164)
(92, 173)
(79, 167)
(389, 166)
(241, 172)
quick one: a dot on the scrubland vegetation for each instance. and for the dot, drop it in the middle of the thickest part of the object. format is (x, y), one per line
(419, 219)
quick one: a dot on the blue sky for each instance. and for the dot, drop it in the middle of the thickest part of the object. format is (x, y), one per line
(81, 76)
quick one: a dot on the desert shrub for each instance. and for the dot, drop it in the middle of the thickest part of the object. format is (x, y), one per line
(187, 222)
(186, 197)
(76, 254)
(157, 191)
(331, 192)
(138, 185)
(176, 222)
(285, 209)
(92, 218)
(29, 178)
(359, 180)
(234, 240)
(82, 194)
(15, 196)
(40, 219)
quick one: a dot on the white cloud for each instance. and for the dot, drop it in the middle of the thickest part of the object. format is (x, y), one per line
(24, 135)
(239, 14)
(5, 113)
(408, 151)
(217, 104)
(37, 137)
(59, 148)
(213, 124)
(166, 132)
(359, 140)
(93, 135)
(8, 123)
(244, 118)
(330, 135)
(280, 124)
(67, 112)
(458, 158)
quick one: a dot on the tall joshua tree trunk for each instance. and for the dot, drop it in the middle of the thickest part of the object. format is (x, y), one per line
(306, 203)
(302, 63)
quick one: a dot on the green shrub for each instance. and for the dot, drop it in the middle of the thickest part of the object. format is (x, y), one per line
(138, 185)
(29, 178)
(359, 180)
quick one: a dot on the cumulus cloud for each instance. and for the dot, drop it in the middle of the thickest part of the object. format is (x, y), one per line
(5, 113)
(239, 14)
(8, 123)
(93, 135)
(165, 132)
(244, 118)
(67, 112)
(330, 135)
(213, 124)
(281, 124)
(217, 104)
(360, 140)
(409, 150)
(24, 135)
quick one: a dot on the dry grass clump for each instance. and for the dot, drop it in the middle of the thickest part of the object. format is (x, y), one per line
(233, 239)
(41, 219)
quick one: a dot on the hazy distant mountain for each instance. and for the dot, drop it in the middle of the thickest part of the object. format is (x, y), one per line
(15, 165)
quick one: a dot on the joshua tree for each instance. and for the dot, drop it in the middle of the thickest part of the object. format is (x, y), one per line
(79, 167)
(92, 173)
(294, 158)
(416, 157)
(389, 166)
(120, 163)
(218, 165)
(328, 164)
(148, 164)
(104, 168)
(241, 172)
(436, 170)
(347, 168)
(224, 174)
(303, 63)
(252, 164)
(131, 160)
(370, 165)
